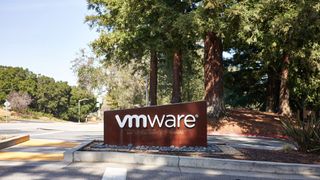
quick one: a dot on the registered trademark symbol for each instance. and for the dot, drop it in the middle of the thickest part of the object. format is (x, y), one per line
(196, 115)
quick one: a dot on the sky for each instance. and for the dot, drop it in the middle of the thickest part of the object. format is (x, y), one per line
(44, 36)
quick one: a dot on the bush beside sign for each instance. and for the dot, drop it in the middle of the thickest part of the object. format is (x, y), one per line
(183, 124)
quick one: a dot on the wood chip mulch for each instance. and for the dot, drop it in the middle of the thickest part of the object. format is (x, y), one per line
(272, 156)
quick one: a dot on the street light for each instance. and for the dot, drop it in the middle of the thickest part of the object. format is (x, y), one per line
(79, 107)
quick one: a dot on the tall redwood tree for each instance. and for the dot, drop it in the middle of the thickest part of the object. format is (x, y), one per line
(272, 89)
(153, 78)
(213, 75)
(177, 77)
(284, 107)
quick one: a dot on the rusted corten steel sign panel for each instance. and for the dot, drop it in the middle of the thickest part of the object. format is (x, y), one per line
(182, 124)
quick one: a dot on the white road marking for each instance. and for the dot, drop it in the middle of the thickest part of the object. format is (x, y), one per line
(46, 133)
(114, 174)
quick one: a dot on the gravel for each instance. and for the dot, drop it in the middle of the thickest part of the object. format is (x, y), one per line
(99, 146)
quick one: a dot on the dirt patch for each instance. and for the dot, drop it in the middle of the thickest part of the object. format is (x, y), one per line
(280, 156)
(12, 115)
(271, 156)
(247, 122)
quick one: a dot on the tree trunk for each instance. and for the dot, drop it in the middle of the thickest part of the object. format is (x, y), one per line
(177, 77)
(153, 78)
(284, 107)
(213, 74)
(271, 91)
(277, 90)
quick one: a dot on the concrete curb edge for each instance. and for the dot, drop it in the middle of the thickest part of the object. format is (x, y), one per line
(14, 141)
(74, 155)
(68, 155)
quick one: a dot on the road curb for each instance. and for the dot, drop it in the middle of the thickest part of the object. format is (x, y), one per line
(129, 158)
(68, 155)
(13, 141)
(76, 155)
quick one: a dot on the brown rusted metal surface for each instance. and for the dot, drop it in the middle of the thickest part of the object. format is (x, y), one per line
(158, 136)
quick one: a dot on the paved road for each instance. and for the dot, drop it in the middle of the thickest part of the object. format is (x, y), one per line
(49, 170)
(56, 137)
(48, 140)
(67, 131)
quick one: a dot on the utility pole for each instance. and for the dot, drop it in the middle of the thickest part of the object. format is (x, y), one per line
(79, 108)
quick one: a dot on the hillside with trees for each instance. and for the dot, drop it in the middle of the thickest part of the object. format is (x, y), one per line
(27, 91)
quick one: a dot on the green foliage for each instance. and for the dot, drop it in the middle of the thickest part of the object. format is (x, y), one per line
(86, 106)
(48, 96)
(192, 82)
(88, 70)
(305, 80)
(16, 79)
(125, 87)
(245, 79)
(256, 33)
(129, 30)
(305, 133)
(264, 31)
(52, 97)
(133, 27)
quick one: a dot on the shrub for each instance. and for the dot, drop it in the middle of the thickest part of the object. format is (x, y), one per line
(19, 101)
(288, 147)
(306, 133)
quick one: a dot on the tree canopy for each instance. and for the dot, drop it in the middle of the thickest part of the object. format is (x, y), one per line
(272, 49)
(46, 94)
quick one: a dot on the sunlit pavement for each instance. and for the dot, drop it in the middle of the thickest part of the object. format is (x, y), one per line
(65, 131)
(48, 140)
(59, 170)
(37, 150)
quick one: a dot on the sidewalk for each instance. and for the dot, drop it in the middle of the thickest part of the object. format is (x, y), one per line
(55, 170)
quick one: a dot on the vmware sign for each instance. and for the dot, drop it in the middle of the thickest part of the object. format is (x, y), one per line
(168, 121)
(183, 124)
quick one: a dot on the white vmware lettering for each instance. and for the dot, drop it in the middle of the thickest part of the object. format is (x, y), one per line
(169, 121)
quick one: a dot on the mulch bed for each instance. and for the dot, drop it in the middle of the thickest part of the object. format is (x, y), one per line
(281, 156)
(272, 156)
(247, 123)
(256, 123)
